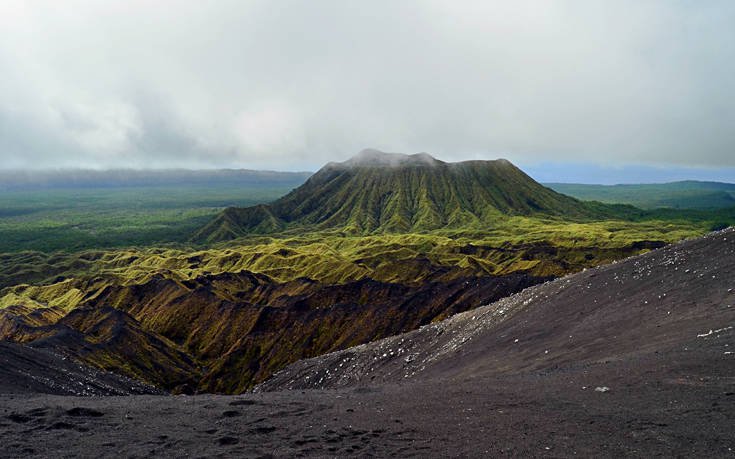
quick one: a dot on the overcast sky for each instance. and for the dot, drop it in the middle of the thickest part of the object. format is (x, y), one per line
(292, 84)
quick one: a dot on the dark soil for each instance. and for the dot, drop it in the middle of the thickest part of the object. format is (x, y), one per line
(25, 370)
(631, 359)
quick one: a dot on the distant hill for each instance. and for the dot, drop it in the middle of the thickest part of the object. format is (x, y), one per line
(30, 180)
(388, 192)
(677, 195)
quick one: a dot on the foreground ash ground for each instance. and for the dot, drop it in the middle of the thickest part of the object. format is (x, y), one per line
(635, 358)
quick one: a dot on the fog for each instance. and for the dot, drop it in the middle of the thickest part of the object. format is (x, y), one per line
(291, 85)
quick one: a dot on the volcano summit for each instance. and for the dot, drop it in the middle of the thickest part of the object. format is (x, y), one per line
(376, 192)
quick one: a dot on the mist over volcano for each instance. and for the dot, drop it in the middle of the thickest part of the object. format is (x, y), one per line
(199, 258)
(376, 192)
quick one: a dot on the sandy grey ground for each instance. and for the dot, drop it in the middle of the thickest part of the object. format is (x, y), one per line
(549, 415)
(634, 359)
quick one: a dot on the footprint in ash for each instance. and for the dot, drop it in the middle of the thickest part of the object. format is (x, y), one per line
(243, 403)
(81, 412)
(227, 441)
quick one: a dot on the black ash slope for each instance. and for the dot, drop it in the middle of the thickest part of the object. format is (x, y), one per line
(660, 304)
(631, 359)
(26, 370)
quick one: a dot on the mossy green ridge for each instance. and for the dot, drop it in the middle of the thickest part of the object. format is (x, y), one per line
(539, 246)
(377, 192)
(224, 318)
(375, 246)
(240, 327)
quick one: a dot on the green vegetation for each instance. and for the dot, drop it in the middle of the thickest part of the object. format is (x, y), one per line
(677, 195)
(364, 249)
(82, 218)
(372, 194)
(541, 247)
(245, 308)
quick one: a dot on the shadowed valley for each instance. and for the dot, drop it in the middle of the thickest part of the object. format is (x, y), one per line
(375, 246)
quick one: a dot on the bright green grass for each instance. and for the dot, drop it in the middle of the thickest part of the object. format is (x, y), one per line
(539, 247)
(133, 233)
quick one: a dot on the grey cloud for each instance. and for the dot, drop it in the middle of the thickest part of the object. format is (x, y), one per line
(294, 84)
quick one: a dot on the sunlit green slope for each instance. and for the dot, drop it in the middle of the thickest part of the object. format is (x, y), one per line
(377, 192)
(365, 249)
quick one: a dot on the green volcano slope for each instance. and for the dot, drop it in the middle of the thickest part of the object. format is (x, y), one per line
(366, 249)
(377, 192)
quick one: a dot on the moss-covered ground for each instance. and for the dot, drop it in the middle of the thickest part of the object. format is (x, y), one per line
(221, 317)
